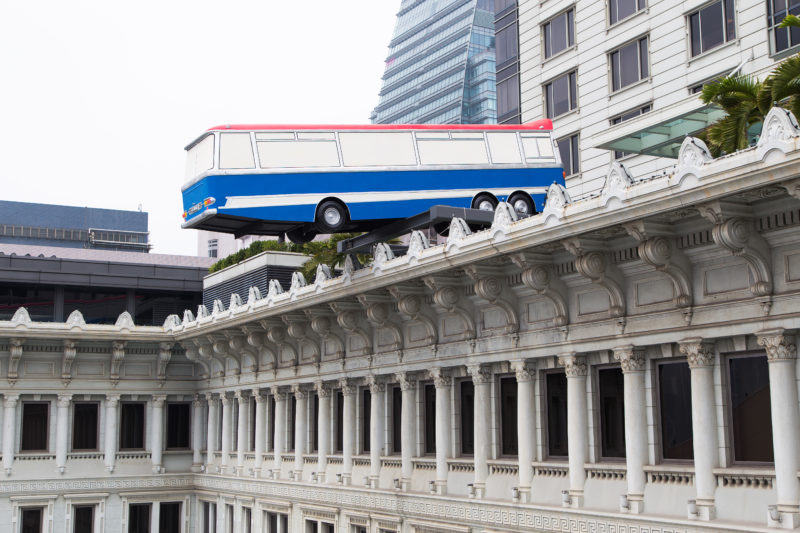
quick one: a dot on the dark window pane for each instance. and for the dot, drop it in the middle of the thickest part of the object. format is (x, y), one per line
(34, 426)
(643, 58)
(711, 26)
(556, 385)
(291, 422)
(139, 518)
(612, 412)
(178, 425)
(675, 402)
(751, 418)
(84, 426)
(31, 520)
(38, 302)
(548, 50)
(271, 425)
(573, 102)
(508, 416)
(169, 517)
(339, 421)
(253, 423)
(564, 150)
(366, 415)
(131, 426)
(430, 419)
(84, 519)
(629, 64)
(467, 392)
(315, 425)
(730, 20)
(556, 36)
(619, 9)
(576, 166)
(570, 28)
(506, 47)
(397, 413)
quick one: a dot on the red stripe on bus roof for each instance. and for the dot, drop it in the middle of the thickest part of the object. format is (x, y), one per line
(542, 124)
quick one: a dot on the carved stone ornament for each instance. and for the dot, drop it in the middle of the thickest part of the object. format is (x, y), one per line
(593, 265)
(698, 354)
(112, 400)
(159, 400)
(504, 216)
(197, 401)
(64, 400)
(218, 308)
(68, 357)
(188, 316)
(11, 400)
(780, 125)
(406, 383)
(21, 317)
(618, 179)
(574, 365)
(236, 301)
(202, 312)
(349, 267)
(440, 379)
(278, 393)
(124, 321)
(323, 391)
(323, 274)
(164, 355)
(459, 230)
(631, 359)
(117, 355)
(253, 295)
(75, 320)
(375, 384)
(172, 322)
(524, 370)
(480, 374)
(417, 243)
(778, 346)
(693, 154)
(383, 252)
(298, 281)
(15, 354)
(242, 396)
(348, 386)
(557, 199)
(274, 288)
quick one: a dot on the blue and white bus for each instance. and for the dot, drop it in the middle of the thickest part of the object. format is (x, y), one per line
(302, 180)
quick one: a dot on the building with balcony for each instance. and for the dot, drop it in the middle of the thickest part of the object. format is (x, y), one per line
(441, 65)
(621, 362)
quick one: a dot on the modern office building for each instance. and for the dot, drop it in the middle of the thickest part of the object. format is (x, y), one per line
(73, 227)
(441, 65)
(620, 78)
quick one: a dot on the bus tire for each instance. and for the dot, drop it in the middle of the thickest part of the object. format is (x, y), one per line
(301, 235)
(522, 204)
(484, 201)
(331, 217)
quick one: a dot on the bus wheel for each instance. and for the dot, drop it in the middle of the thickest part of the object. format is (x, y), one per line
(484, 202)
(522, 204)
(301, 235)
(331, 217)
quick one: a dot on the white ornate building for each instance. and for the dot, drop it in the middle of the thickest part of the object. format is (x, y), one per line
(621, 363)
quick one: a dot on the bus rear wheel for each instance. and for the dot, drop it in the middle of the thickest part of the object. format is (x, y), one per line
(522, 204)
(484, 202)
(301, 235)
(331, 217)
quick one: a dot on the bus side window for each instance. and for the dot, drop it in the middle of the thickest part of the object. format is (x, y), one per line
(235, 151)
(377, 149)
(453, 152)
(504, 147)
(200, 157)
(537, 147)
(297, 154)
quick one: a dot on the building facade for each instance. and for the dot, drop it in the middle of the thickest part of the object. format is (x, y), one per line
(441, 65)
(620, 78)
(625, 362)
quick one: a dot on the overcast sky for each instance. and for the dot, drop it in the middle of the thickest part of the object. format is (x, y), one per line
(98, 98)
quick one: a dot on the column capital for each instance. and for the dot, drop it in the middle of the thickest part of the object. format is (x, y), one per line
(112, 400)
(159, 399)
(779, 347)
(631, 358)
(323, 391)
(278, 394)
(226, 402)
(300, 393)
(11, 400)
(574, 365)
(197, 400)
(347, 386)
(440, 379)
(698, 353)
(405, 381)
(242, 396)
(64, 400)
(258, 396)
(525, 370)
(209, 397)
(479, 373)
(375, 384)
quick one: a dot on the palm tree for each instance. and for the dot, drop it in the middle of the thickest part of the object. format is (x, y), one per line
(738, 95)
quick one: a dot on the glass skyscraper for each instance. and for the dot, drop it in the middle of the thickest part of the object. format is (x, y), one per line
(441, 65)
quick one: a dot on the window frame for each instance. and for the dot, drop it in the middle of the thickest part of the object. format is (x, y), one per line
(426, 442)
(572, 155)
(144, 426)
(570, 97)
(598, 415)
(728, 399)
(774, 53)
(546, 419)
(167, 425)
(573, 33)
(499, 378)
(641, 79)
(725, 39)
(48, 420)
(72, 447)
(462, 417)
(657, 414)
(611, 24)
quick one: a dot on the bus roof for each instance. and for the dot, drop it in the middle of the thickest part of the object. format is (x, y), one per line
(542, 124)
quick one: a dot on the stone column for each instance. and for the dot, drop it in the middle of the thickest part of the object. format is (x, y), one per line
(227, 432)
(348, 431)
(576, 370)
(323, 429)
(300, 429)
(280, 430)
(110, 452)
(632, 361)
(241, 429)
(197, 433)
(700, 356)
(481, 379)
(157, 432)
(526, 426)
(155, 515)
(408, 427)
(211, 435)
(377, 390)
(443, 384)
(782, 357)
(9, 430)
(62, 430)
(261, 431)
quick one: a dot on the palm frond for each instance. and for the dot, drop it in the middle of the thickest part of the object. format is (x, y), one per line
(790, 21)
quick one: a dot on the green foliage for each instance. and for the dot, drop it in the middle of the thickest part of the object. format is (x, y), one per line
(739, 96)
(790, 21)
(255, 249)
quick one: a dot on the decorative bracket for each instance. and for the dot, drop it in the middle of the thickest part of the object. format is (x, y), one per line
(536, 275)
(347, 316)
(117, 355)
(489, 287)
(296, 328)
(410, 304)
(239, 346)
(446, 296)
(377, 311)
(164, 355)
(322, 325)
(68, 357)
(221, 352)
(592, 264)
(13, 361)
